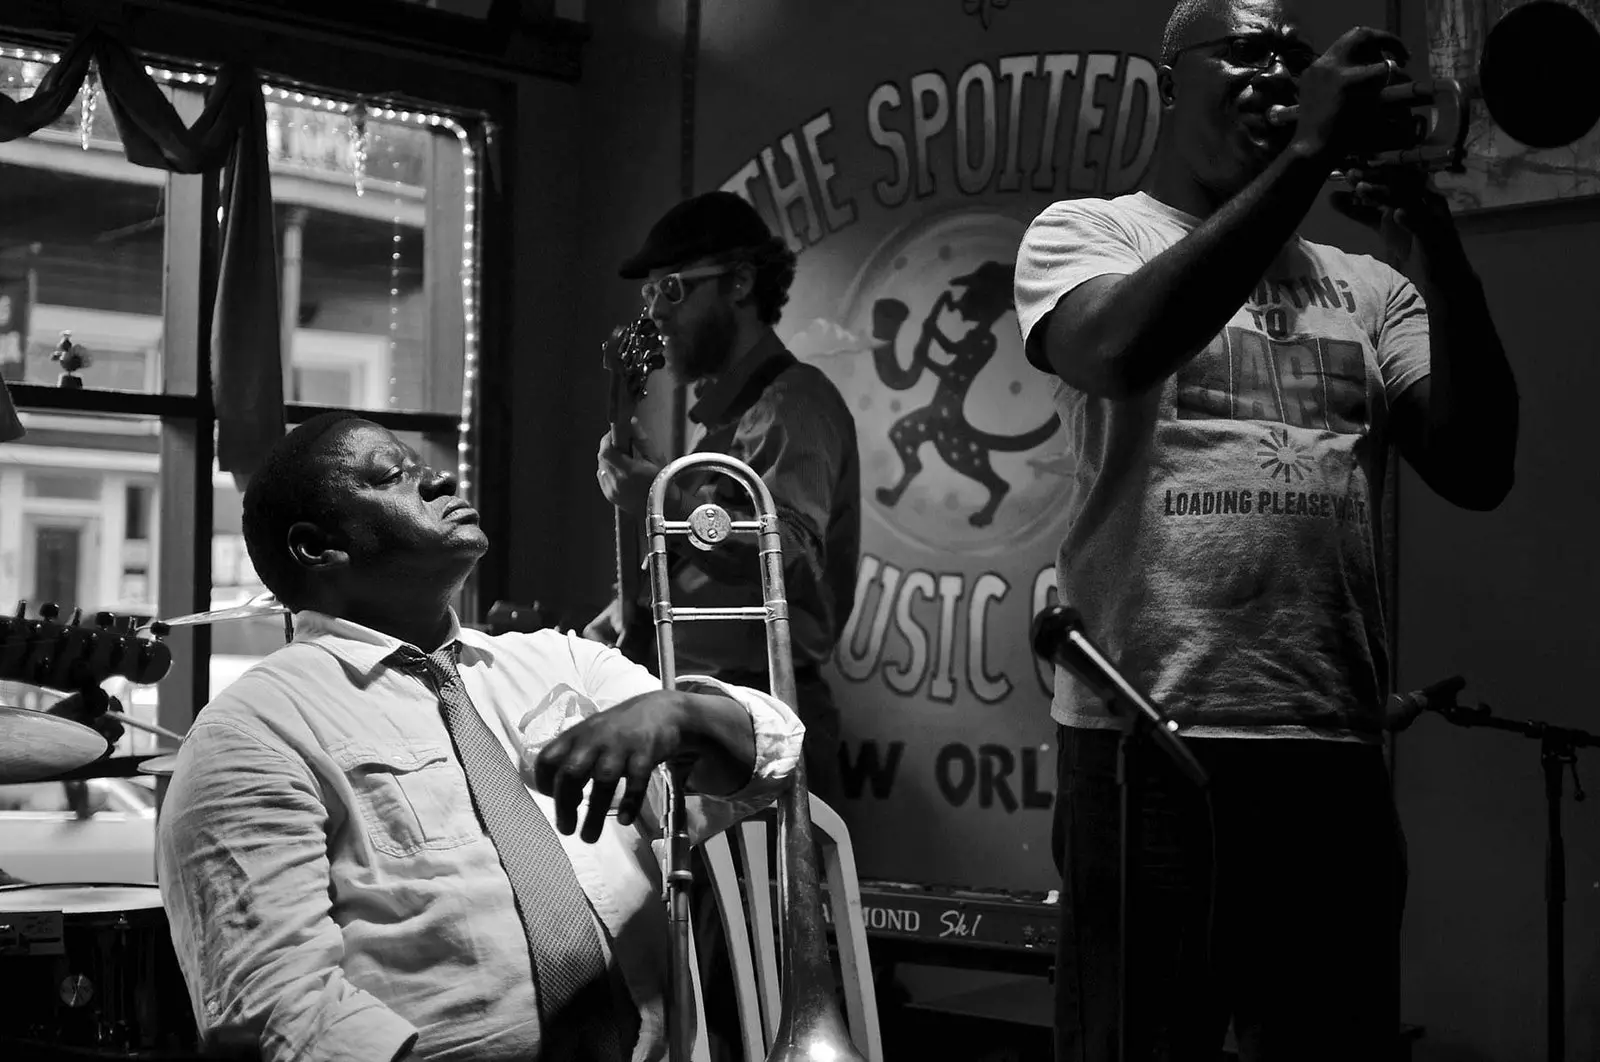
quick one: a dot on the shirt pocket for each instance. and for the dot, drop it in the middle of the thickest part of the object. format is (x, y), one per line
(412, 796)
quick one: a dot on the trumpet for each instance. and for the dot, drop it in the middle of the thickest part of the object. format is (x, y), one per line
(1535, 79)
(809, 1024)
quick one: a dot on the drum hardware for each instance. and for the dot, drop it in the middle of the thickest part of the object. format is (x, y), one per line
(161, 766)
(72, 656)
(263, 604)
(36, 746)
(91, 968)
(149, 728)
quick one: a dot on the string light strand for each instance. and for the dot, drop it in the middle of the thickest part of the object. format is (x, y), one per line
(469, 229)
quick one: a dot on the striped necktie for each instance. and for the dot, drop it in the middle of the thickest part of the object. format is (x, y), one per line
(581, 1018)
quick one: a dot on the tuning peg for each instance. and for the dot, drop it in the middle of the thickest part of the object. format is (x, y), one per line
(104, 619)
(154, 658)
(49, 611)
(159, 630)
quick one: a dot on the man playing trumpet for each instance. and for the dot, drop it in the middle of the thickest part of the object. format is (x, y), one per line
(1233, 393)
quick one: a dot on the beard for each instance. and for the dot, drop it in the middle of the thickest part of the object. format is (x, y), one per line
(703, 350)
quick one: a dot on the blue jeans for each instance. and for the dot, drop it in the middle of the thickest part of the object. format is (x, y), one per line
(1274, 902)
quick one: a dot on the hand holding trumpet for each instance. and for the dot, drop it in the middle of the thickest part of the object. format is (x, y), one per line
(1339, 94)
(1401, 205)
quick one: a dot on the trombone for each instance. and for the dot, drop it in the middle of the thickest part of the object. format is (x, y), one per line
(1536, 80)
(809, 1024)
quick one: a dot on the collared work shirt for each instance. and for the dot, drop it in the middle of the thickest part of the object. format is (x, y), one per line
(331, 893)
(787, 421)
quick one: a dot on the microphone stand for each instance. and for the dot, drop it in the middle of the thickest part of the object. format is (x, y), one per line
(1140, 718)
(1138, 726)
(1557, 749)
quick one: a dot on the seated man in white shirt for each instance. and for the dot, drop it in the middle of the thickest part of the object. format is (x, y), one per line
(352, 866)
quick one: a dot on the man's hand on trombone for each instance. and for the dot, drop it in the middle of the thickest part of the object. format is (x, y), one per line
(710, 733)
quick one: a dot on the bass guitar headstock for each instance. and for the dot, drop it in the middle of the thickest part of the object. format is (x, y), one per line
(73, 655)
(631, 354)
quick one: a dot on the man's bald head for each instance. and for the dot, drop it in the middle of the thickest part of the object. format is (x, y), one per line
(1191, 21)
(1194, 21)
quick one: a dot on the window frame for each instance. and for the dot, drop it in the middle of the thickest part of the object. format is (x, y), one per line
(186, 413)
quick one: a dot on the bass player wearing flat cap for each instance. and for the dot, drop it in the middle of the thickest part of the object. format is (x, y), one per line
(716, 283)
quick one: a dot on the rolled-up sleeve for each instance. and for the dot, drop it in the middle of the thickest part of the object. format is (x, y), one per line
(610, 677)
(243, 862)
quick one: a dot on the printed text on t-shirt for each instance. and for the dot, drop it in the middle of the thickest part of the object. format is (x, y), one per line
(1305, 382)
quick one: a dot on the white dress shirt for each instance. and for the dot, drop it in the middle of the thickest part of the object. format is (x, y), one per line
(330, 891)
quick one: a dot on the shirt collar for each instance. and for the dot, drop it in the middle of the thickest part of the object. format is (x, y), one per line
(363, 650)
(715, 399)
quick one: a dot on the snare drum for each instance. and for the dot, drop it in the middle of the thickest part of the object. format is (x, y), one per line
(91, 967)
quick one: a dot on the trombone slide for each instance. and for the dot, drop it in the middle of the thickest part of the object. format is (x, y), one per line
(809, 1025)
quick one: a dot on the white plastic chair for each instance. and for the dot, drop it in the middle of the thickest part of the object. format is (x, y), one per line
(752, 940)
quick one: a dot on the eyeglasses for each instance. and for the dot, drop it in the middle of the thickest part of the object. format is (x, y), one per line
(1258, 51)
(674, 287)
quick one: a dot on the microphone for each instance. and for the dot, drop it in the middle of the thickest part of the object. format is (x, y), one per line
(1402, 709)
(1058, 636)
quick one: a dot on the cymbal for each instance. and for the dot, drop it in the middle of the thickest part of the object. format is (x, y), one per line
(160, 765)
(36, 745)
(261, 605)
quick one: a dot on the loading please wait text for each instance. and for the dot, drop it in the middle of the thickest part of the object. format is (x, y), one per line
(1264, 503)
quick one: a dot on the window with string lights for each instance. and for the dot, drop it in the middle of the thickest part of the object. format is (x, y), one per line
(122, 497)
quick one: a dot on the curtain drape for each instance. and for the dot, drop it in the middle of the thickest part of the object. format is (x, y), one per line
(10, 426)
(230, 135)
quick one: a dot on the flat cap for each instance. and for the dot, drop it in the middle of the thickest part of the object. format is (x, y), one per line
(712, 223)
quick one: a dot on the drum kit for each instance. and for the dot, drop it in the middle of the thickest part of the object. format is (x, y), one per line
(89, 969)
(38, 746)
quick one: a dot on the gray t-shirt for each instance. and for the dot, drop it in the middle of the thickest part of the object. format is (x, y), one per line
(1221, 545)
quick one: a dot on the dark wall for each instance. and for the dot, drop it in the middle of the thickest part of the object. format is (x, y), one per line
(1505, 599)
(605, 166)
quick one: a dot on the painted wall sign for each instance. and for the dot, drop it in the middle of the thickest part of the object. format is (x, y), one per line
(905, 179)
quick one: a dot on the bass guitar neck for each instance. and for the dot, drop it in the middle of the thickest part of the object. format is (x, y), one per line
(632, 354)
